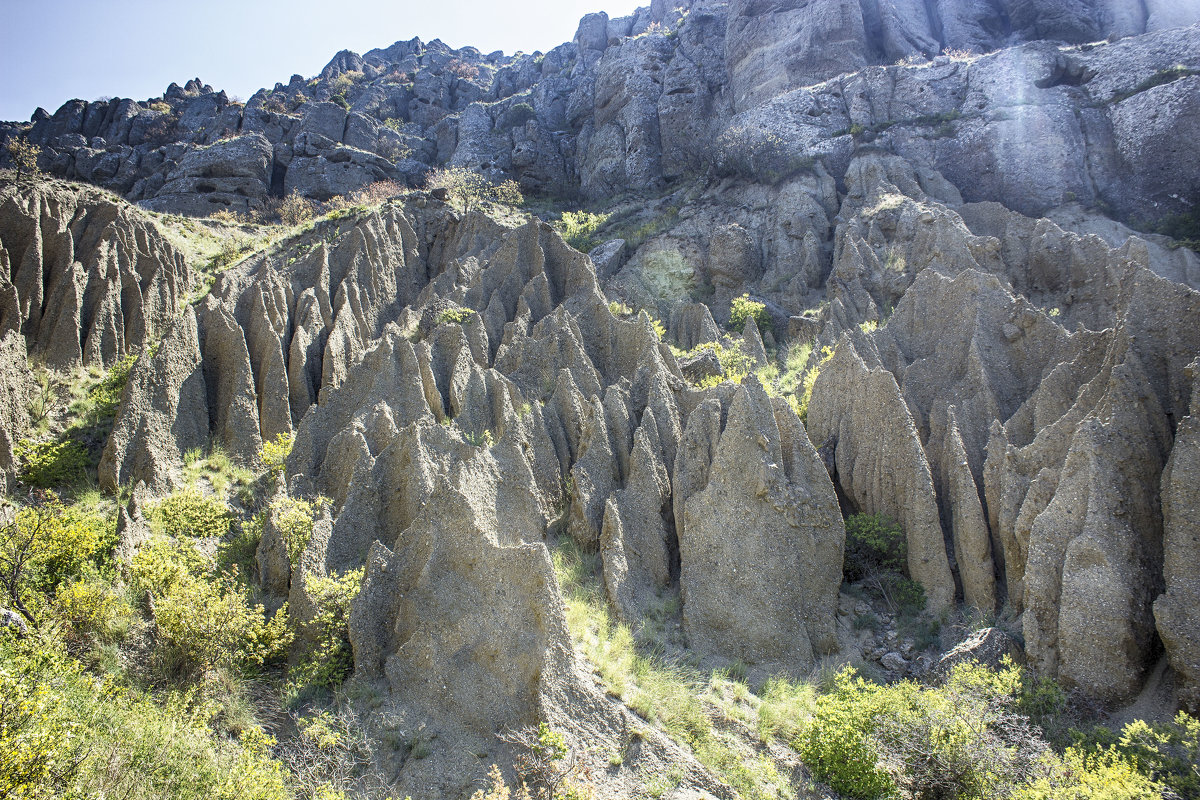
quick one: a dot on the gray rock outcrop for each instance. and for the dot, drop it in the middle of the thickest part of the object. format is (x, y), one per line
(16, 390)
(1175, 611)
(765, 503)
(84, 277)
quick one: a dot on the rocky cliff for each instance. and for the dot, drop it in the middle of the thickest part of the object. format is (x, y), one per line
(940, 197)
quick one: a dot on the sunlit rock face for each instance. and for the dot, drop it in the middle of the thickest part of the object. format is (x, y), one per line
(935, 203)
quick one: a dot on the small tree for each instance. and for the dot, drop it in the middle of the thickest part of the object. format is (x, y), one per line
(24, 155)
(469, 189)
(294, 209)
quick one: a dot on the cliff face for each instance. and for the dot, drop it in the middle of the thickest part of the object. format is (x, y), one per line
(930, 190)
(636, 101)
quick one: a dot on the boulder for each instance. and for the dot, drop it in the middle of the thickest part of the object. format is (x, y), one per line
(987, 647)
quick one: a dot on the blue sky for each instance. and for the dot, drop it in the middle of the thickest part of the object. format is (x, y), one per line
(54, 50)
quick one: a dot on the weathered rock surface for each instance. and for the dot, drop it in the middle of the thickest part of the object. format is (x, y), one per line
(1039, 431)
(163, 412)
(1175, 611)
(770, 85)
(762, 538)
(84, 277)
(1011, 370)
(879, 461)
(16, 390)
(453, 453)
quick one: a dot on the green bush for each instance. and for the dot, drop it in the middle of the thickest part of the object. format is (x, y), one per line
(808, 382)
(211, 623)
(331, 659)
(49, 464)
(294, 520)
(1098, 776)
(162, 563)
(107, 395)
(962, 739)
(64, 734)
(519, 114)
(735, 364)
(46, 545)
(37, 744)
(90, 607)
(275, 452)
(578, 228)
(455, 316)
(1167, 751)
(743, 308)
(838, 744)
(874, 544)
(187, 512)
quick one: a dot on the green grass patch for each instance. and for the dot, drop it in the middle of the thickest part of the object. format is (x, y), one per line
(677, 698)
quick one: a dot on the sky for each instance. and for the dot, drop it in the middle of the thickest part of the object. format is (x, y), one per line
(52, 51)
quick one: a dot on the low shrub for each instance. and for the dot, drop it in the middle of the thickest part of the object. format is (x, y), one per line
(331, 659)
(1167, 751)
(50, 464)
(295, 210)
(227, 216)
(47, 544)
(394, 152)
(735, 364)
(519, 114)
(455, 316)
(294, 520)
(187, 512)
(962, 739)
(838, 744)
(162, 563)
(38, 744)
(874, 544)
(211, 623)
(275, 452)
(378, 192)
(90, 607)
(64, 734)
(107, 395)
(1097, 776)
(578, 228)
(804, 395)
(743, 308)
(462, 69)
(619, 309)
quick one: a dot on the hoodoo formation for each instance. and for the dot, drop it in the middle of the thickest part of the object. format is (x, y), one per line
(701, 408)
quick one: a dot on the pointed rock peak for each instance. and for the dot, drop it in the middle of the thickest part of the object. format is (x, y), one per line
(752, 343)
